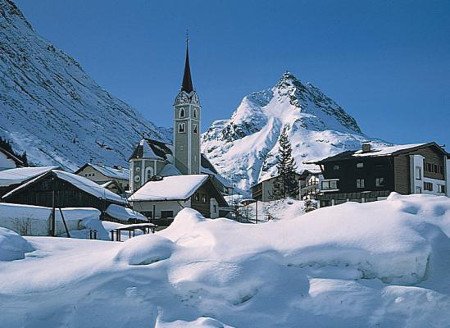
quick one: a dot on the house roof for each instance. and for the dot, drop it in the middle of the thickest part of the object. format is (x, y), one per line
(108, 171)
(77, 181)
(150, 148)
(19, 175)
(380, 152)
(124, 213)
(9, 155)
(177, 187)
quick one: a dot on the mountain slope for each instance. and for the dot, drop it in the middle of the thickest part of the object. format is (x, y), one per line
(53, 110)
(244, 147)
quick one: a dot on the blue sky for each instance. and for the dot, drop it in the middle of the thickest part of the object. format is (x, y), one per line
(386, 63)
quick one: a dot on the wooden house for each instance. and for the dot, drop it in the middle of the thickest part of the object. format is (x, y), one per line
(371, 174)
(62, 189)
(12, 178)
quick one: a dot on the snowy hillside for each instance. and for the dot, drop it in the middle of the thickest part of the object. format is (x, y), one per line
(244, 147)
(53, 110)
(381, 264)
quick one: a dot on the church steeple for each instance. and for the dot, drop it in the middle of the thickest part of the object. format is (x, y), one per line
(187, 80)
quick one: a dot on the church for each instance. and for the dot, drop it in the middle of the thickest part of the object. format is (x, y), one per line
(153, 161)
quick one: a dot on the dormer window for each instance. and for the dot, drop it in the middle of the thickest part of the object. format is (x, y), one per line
(181, 127)
(182, 113)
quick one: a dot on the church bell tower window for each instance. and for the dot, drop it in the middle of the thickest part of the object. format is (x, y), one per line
(182, 127)
(182, 114)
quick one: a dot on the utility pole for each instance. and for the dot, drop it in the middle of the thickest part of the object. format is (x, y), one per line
(53, 223)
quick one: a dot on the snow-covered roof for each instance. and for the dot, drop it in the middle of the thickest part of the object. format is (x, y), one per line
(385, 151)
(124, 213)
(178, 187)
(169, 170)
(111, 172)
(79, 182)
(19, 175)
(89, 186)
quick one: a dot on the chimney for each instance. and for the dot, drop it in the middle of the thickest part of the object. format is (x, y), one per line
(366, 147)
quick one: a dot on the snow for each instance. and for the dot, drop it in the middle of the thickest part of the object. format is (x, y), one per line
(124, 214)
(19, 175)
(179, 187)
(111, 172)
(385, 151)
(381, 264)
(12, 246)
(273, 210)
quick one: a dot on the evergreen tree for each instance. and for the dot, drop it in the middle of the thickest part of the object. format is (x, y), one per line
(286, 184)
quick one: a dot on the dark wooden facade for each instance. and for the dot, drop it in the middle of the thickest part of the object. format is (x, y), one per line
(49, 188)
(394, 170)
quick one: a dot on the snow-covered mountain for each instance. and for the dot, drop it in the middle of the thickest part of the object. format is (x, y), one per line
(50, 108)
(244, 147)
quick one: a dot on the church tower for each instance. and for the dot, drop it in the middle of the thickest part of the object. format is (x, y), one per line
(186, 130)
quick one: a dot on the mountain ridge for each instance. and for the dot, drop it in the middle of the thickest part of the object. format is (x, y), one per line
(53, 110)
(244, 147)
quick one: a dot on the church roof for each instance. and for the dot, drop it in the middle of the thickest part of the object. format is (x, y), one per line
(149, 148)
(187, 80)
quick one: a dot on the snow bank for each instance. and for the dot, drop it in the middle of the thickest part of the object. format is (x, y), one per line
(381, 264)
(12, 246)
(124, 214)
(145, 249)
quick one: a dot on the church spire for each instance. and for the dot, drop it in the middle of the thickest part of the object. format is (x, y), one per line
(187, 80)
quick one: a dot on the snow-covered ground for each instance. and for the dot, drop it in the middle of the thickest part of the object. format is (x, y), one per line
(382, 264)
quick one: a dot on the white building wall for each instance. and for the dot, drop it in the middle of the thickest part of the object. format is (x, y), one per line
(447, 177)
(416, 175)
(157, 207)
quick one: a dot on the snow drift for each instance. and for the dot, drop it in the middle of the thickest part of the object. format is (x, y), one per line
(381, 264)
(12, 246)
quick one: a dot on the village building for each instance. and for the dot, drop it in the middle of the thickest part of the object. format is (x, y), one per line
(9, 160)
(308, 183)
(56, 188)
(162, 198)
(371, 174)
(157, 168)
(114, 178)
(12, 178)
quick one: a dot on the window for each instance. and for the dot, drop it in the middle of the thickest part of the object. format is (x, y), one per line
(137, 178)
(428, 167)
(181, 127)
(441, 189)
(428, 186)
(379, 182)
(166, 214)
(435, 168)
(148, 173)
(204, 199)
(418, 173)
(336, 167)
(329, 185)
(195, 128)
(197, 197)
(138, 169)
(194, 113)
(418, 190)
(214, 208)
(359, 183)
(359, 165)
